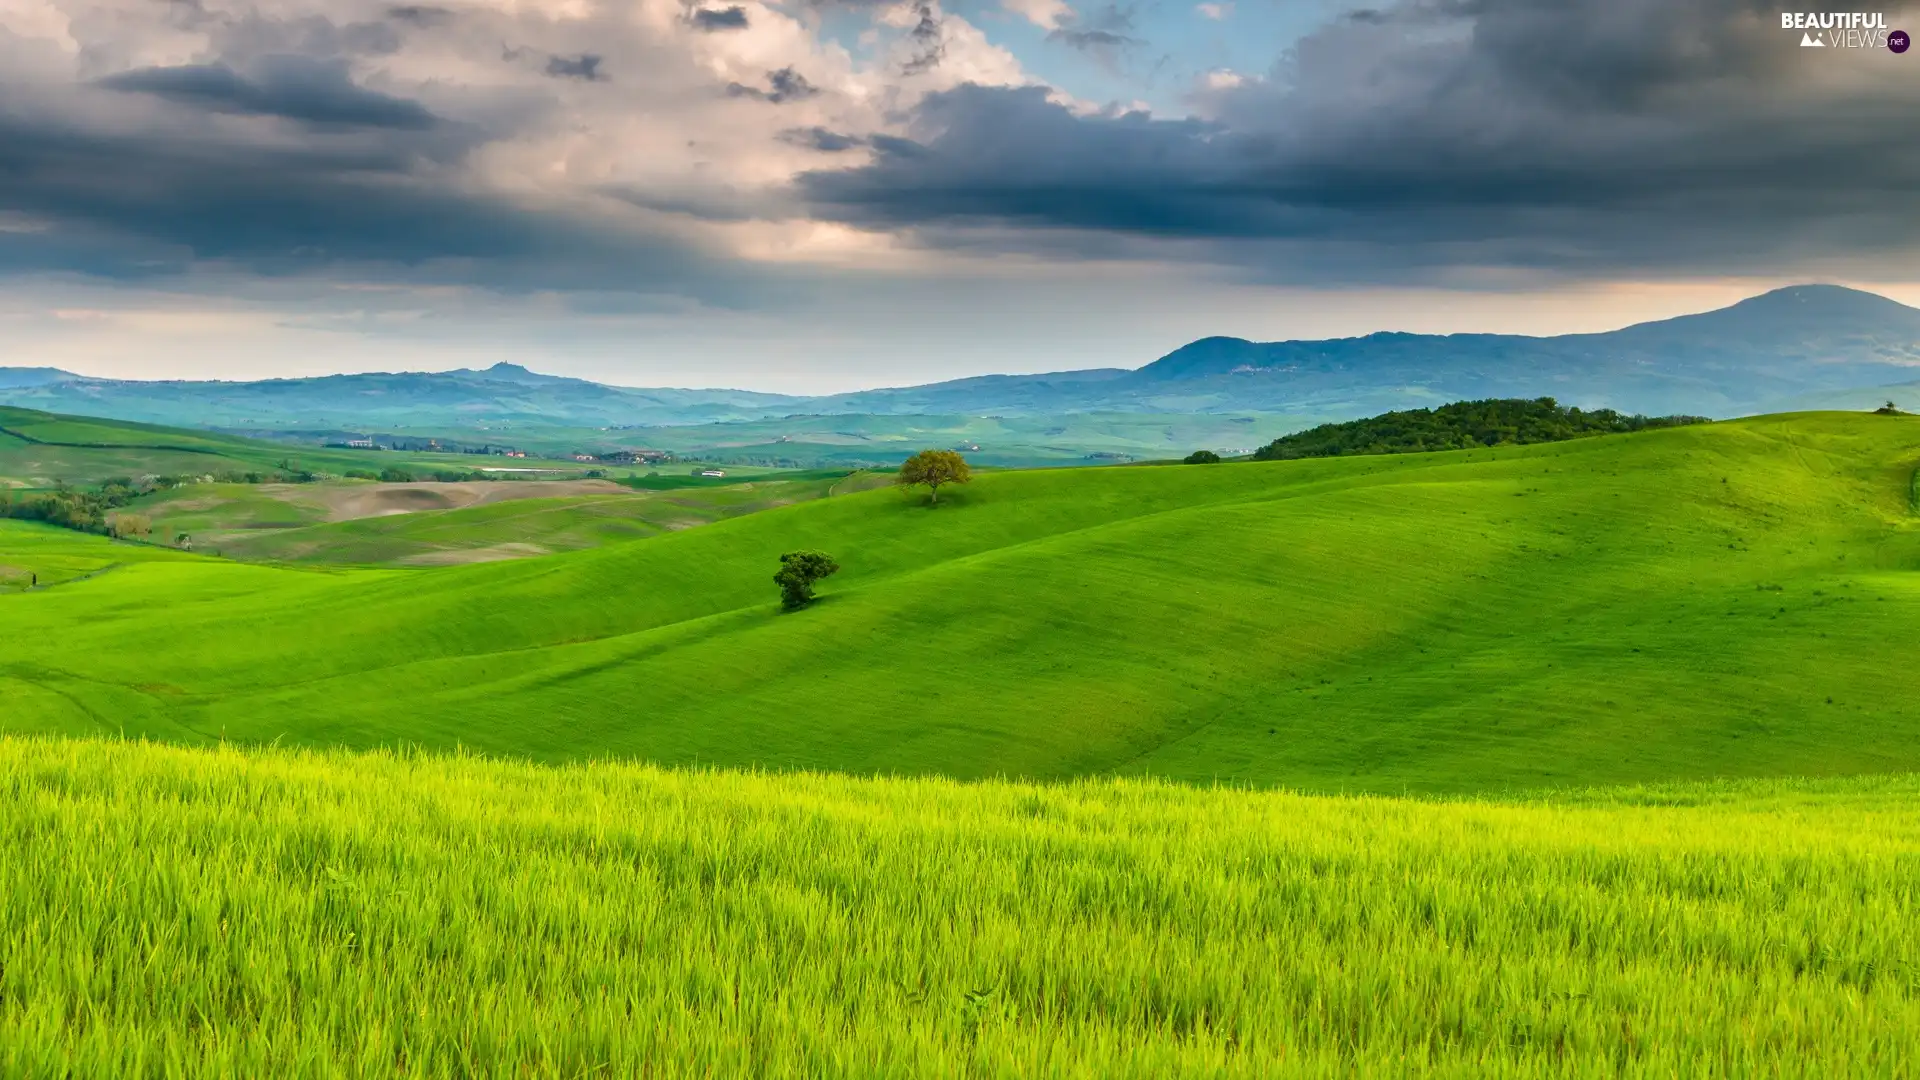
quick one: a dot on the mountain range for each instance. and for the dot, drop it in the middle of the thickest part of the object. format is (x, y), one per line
(1802, 343)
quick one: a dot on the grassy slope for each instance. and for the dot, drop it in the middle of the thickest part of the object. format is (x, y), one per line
(1729, 600)
(178, 912)
(58, 557)
(37, 448)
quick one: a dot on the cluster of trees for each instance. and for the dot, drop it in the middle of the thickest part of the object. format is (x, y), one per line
(97, 510)
(102, 509)
(86, 511)
(1463, 425)
(282, 475)
(394, 475)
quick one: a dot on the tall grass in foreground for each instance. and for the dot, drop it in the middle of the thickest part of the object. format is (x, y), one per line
(189, 912)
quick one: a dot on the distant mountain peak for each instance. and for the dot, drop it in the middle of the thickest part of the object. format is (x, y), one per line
(1819, 300)
(1812, 290)
(19, 378)
(512, 373)
(1208, 356)
(1796, 313)
(1811, 320)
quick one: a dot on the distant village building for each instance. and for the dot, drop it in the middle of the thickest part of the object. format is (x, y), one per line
(360, 444)
(713, 472)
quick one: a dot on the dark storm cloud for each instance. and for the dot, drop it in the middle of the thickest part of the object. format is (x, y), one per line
(123, 203)
(1103, 32)
(819, 138)
(1090, 39)
(783, 85)
(294, 87)
(1590, 136)
(711, 19)
(351, 200)
(420, 14)
(929, 42)
(990, 161)
(789, 85)
(585, 67)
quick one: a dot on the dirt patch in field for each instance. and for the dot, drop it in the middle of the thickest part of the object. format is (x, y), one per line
(190, 506)
(495, 553)
(380, 500)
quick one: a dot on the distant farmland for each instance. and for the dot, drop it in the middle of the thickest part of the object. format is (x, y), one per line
(447, 524)
(40, 449)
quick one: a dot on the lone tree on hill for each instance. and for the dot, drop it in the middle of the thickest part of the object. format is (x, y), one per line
(798, 571)
(933, 468)
(1202, 457)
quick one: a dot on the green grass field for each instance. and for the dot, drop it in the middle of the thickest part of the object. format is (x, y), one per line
(959, 818)
(1731, 600)
(172, 912)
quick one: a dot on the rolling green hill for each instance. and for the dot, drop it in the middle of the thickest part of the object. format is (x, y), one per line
(169, 912)
(1729, 600)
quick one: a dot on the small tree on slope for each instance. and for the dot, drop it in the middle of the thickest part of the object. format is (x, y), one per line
(933, 468)
(798, 571)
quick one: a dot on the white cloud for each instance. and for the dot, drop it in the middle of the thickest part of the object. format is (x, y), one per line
(1045, 14)
(630, 114)
(1216, 12)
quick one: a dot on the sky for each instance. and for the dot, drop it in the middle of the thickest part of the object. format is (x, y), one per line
(824, 195)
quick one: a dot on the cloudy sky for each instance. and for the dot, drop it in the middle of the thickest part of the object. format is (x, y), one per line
(828, 194)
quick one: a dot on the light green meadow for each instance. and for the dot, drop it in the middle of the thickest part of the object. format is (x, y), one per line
(180, 912)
